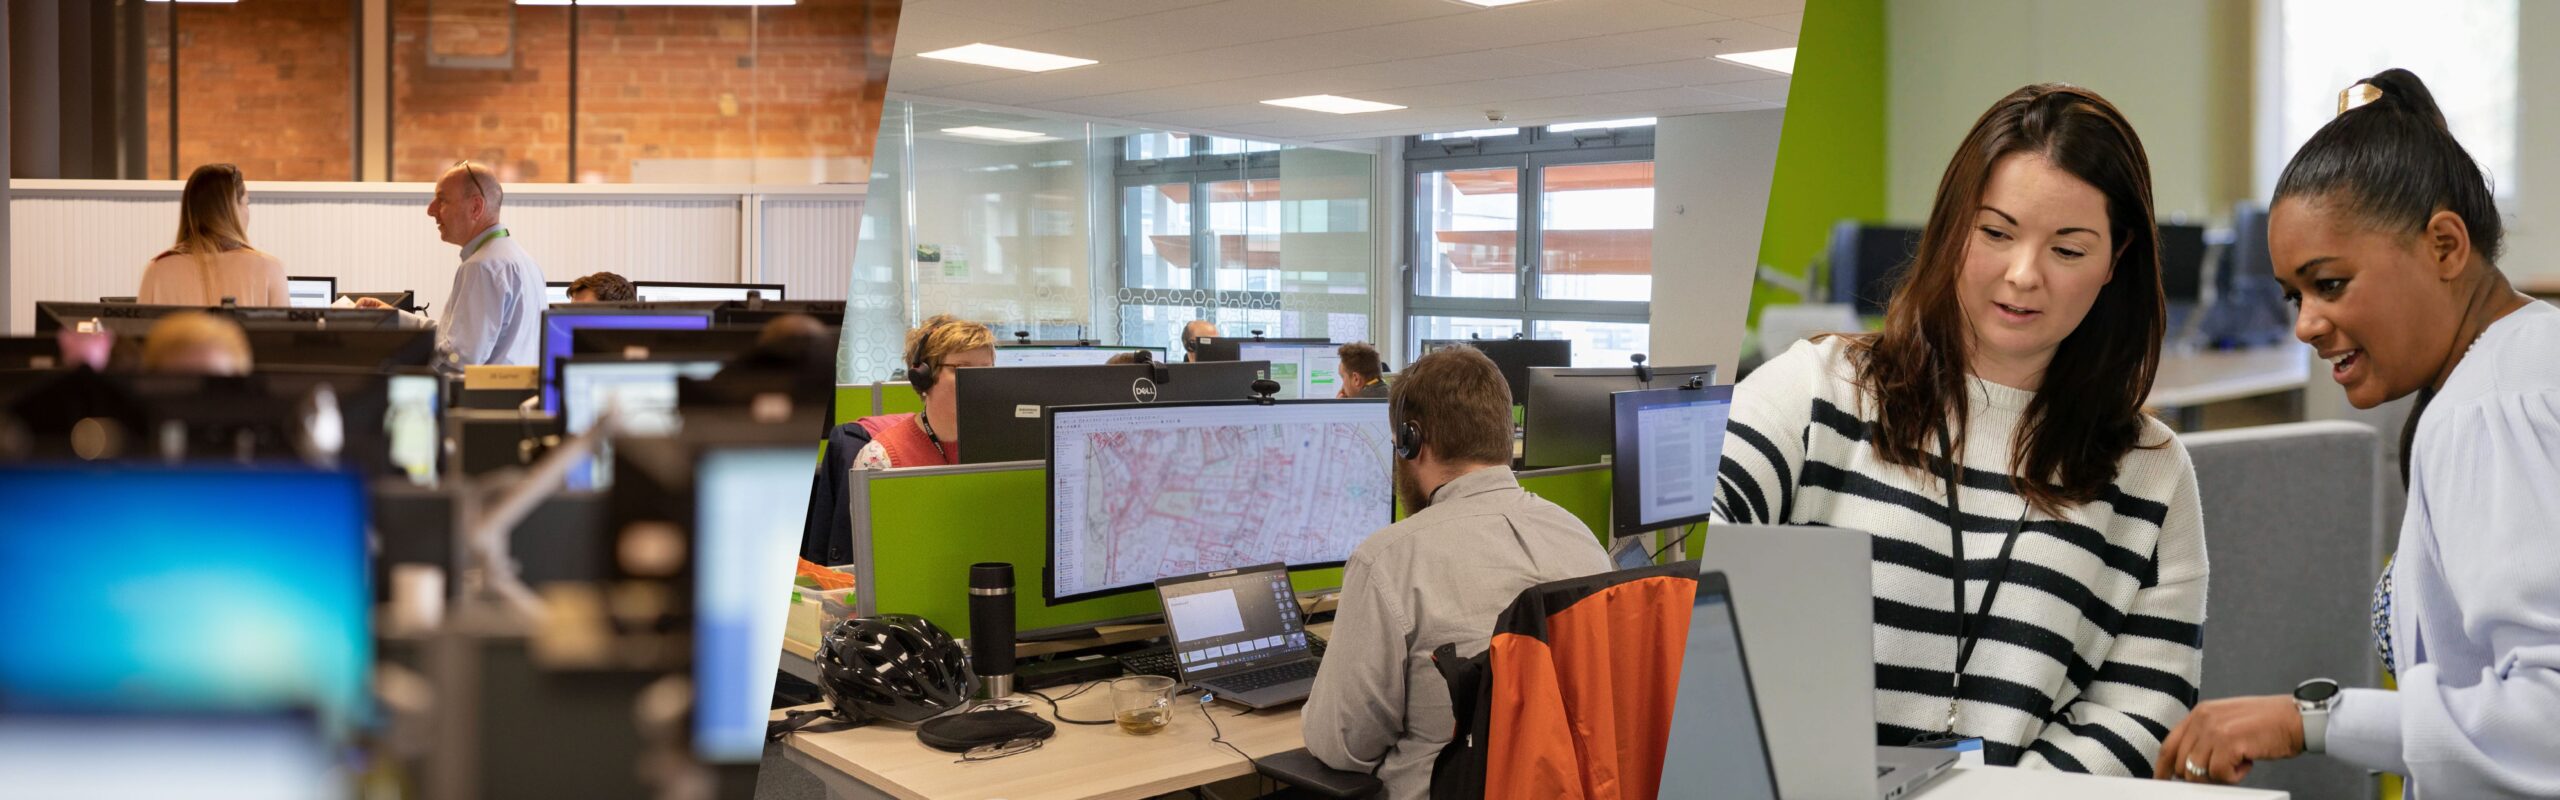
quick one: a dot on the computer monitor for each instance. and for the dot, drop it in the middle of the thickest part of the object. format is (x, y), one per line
(1669, 444)
(414, 422)
(1304, 371)
(1717, 745)
(225, 590)
(555, 293)
(376, 350)
(1566, 421)
(1139, 492)
(1000, 407)
(403, 299)
(1515, 357)
(677, 291)
(30, 352)
(341, 319)
(2182, 262)
(1867, 262)
(644, 390)
(269, 756)
(717, 341)
(559, 323)
(1012, 355)
(310, 292)
(748, 510)
(122, 319)
(1229, 348)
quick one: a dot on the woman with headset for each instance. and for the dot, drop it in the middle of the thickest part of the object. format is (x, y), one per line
(932, 438)
(2039, 557)
(2386, 237)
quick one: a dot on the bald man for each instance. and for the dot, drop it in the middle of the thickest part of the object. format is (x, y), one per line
(494, 313)
(1192, 334)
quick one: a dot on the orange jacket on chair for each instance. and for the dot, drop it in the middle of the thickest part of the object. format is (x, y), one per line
(1573, 698)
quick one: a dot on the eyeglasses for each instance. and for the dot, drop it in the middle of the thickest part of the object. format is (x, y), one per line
(991, 752)
(473, 171)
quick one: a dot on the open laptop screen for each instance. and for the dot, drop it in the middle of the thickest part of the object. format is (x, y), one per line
(1716, 749)
(1230, 620)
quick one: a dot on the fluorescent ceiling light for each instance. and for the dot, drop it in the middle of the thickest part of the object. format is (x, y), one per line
(998, 134)
(1637, 122)
(988, 55)
(1781, 60)
(1478, 133)
(1331, 104)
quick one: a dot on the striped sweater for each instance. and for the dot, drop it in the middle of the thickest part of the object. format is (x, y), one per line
(2093, 648)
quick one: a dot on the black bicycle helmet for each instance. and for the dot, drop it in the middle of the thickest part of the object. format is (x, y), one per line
(893, 666)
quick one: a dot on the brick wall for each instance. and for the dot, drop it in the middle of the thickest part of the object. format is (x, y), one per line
(693, 93)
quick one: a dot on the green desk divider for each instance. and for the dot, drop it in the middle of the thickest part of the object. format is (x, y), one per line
(899, 397)
(915, 533)
(853, 401)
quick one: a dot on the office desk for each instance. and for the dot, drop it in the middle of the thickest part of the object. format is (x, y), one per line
(2188, 381)
(1082, 761)
(2000, 783)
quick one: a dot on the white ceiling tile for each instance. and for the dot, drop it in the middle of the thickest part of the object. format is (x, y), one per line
(1773, 90)
(908, 74)
(1791, 23)
(1746, 8)
(1697, 72)
(1660, 44)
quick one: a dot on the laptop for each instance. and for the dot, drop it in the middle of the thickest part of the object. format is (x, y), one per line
(1237, 635)
(1715, 722)
(1812, 618)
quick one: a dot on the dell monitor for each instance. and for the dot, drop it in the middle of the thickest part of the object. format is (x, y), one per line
(336, 319)
(678, 291)
(1000, 407)
(122, 319)
(1065, 355)
(748, 508)
(310, 292)
(559, 323)
(376, 350)
(1566, 419)
(1514, 357)
(227, 591)
(1670, 443)
(1229, 348)
(1139, 492)
(1304, 371)
(644, 392)
(1867, 262)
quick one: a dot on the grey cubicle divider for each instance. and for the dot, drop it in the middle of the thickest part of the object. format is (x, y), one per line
(2293, 526)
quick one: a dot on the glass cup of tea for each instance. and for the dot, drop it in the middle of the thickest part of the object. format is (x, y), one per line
(1142, 704)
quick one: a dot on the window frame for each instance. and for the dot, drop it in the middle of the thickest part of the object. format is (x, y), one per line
(1531, 151)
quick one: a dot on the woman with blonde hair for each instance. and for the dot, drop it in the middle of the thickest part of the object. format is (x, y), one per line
(196, 343)
(212, 259)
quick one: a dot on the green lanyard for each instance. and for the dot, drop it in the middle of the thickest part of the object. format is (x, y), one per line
(494, 234)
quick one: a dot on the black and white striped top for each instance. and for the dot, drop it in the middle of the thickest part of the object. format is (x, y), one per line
(2093, 647)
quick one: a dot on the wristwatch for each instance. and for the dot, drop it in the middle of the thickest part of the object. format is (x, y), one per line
(2314, 698)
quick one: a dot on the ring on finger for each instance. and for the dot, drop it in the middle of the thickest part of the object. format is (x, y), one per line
(2194, 772)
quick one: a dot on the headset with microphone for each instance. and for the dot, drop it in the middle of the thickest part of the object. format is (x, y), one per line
(922, 375)
(1408, 434)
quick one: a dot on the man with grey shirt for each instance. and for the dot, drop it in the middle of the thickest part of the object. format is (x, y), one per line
(1471, 542)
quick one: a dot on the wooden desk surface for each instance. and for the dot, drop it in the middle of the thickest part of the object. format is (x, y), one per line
(2213, 376)
(1082, 761)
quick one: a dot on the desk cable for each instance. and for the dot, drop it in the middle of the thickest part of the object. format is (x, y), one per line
(1220, 736)
(1675, 542)
(1061, 716)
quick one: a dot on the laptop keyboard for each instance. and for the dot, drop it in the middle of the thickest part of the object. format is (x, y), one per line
(1269, 676)
(1158, 660)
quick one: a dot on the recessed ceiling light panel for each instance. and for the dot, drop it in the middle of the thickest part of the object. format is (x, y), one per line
(1001, 57)
(1781, 60)
(1332, 104)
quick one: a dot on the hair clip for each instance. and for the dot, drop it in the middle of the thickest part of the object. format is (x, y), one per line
(2357, 96)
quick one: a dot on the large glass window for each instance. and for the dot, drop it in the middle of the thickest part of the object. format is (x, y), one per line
(1544, 232)
(2328, 44)
(1251, 236)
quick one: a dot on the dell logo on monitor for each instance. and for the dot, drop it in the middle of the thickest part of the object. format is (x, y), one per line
(1144, 390)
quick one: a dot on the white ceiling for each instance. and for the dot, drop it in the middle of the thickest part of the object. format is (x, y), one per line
(1206, 65)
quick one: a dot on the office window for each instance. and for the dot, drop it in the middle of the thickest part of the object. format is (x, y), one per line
(1249, 235)
(2328, 44)
(1546, 232)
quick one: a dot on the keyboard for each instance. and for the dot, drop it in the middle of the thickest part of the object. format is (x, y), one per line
(1158, 660)
(1269, 676)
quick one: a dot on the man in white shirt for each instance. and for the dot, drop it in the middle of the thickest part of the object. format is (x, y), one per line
(494, 313)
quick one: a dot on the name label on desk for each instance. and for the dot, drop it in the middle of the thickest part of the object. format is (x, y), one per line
(1026, 412)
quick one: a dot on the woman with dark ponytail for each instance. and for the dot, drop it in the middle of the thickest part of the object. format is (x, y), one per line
(2385, 236)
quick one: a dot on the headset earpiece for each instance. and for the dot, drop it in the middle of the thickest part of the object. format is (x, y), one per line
(1408, 441)
(921, 375)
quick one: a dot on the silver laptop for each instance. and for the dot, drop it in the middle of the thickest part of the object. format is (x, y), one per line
(1810, 616)
(1237, 635)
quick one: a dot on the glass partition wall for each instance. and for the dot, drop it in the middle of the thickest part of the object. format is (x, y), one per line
(1063, 229)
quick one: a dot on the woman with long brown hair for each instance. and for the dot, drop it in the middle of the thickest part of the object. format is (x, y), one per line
(212, 258)
(1992, 435)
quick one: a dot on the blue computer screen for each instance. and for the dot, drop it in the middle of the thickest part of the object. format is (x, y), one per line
(748, 513)
(557, 325)
(184, 589)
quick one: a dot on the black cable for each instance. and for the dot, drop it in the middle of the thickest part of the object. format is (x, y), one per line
(1060, 715)
(1219, 736)
(1675, 542)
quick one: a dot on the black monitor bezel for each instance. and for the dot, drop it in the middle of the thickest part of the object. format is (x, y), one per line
(1531, 413)
(1625, 459)
(1049, 493)
(547, 374)
(639, 288)
(1166, 378)
(1230, 348)
(289, 279)
(1509, 355)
